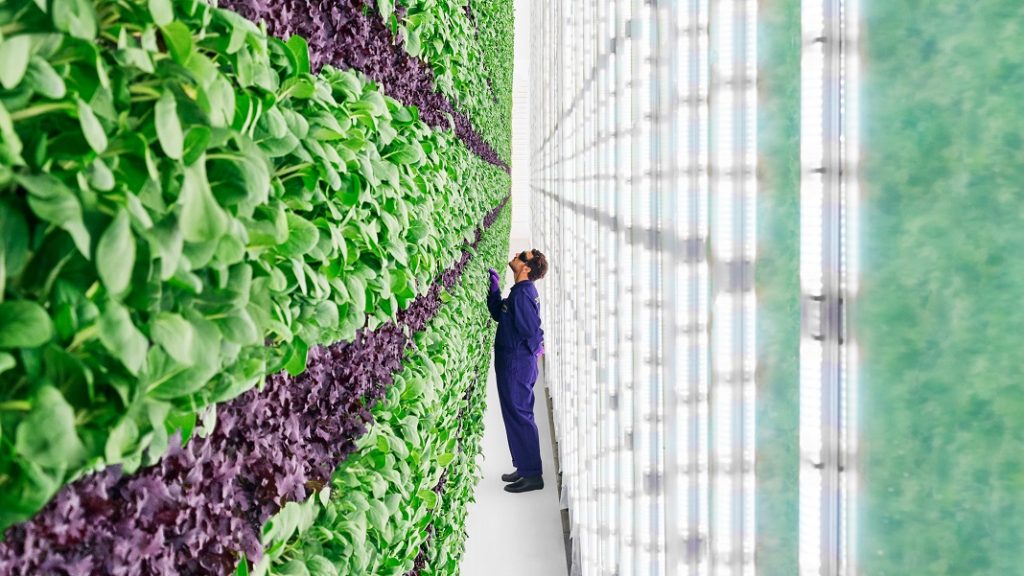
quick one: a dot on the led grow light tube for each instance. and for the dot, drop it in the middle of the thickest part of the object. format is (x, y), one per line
(829, 278)
(734, 185)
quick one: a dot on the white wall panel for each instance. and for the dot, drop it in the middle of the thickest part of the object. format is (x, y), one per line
(643, 187)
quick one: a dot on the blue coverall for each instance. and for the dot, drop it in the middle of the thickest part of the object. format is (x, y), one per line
(516, 345)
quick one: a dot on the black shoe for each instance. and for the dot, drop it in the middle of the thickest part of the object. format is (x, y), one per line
(526, 484)
(510, 477)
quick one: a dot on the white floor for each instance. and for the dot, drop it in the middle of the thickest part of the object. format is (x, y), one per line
(514, 534)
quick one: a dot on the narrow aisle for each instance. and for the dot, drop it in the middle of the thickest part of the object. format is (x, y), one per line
(513, 534)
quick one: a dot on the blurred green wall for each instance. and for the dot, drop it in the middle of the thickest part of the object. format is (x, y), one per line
(778, 288)
(940, 318)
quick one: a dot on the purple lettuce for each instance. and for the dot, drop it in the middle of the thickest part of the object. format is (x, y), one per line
(349, 34)
(205, 503)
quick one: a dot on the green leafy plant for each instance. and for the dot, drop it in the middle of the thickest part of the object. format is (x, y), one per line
(430, 423)
(446, 547)
(471, 57)
(184, 209)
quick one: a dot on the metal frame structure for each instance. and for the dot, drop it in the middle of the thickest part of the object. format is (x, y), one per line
(734, 240)
(828, 276)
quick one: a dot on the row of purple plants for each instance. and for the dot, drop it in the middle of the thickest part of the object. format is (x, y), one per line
(348, 34)
(203, 505)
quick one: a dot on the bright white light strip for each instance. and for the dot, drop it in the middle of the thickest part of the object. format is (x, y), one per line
(703, 469)
(603, 484)
(676, 192)
(614, 148)
(683, 422)
(749, 312)
(609, 498)
(749, 431)
(641, 342)
(849, 381)
(812, 126)
(810, 454)
(582, 126)
(686, 194)
(723, 440)
(666, 134)
(832, 43)
(651, 542)
(622, 163)
(734, 113)
(723, 148)
(852, 148)
(582, 148)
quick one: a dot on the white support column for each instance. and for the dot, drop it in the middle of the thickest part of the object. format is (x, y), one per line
(734, 205)
(828, 276)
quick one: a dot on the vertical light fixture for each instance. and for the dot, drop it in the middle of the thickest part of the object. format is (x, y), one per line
(606, 278)
(689, 414)
(828, 275)
(700, 439)
(618, 159)
(624, 166)
(586, 286)
(678, 299)
(574, 26)
(734, 203)
(646, 145)
(664, 132)
(849, 449)
(748, 300)
(603, 122)
(644, 381)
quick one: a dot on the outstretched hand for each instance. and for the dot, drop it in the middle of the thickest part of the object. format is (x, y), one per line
(493, 274)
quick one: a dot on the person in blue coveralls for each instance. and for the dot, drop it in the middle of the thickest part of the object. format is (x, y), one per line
(517, 346)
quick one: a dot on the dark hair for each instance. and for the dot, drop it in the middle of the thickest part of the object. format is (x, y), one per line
(538, 265)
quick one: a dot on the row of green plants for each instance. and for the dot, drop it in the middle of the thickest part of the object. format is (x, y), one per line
(374, 516)
(469, 47)
(185, 209)
(447, 545)
(495, 26)
(204, 503)
(465, 412)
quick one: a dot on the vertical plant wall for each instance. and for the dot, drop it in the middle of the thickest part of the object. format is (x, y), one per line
(939, 319)
(240, 283)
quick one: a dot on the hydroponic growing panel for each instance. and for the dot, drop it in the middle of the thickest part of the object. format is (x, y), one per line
(190, 207)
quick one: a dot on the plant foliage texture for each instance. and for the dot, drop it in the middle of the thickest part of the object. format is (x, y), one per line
(468, 46)
(185, 209)
(350, 34)
(203, 505)
(411, 476)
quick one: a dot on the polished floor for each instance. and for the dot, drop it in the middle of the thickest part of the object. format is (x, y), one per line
(514, 534)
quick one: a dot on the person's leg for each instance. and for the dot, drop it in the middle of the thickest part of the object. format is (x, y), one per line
(526, 436)
(503, 375)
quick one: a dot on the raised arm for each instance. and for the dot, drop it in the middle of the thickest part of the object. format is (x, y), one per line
(494, 295)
